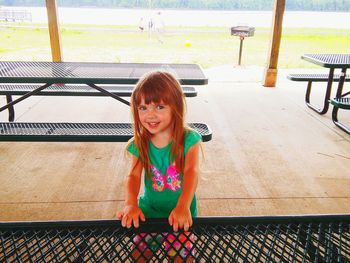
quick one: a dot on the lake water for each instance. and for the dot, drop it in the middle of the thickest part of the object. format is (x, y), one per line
(100, 16)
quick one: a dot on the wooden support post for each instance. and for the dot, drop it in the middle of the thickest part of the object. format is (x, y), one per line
(54, 30)
(270, 74)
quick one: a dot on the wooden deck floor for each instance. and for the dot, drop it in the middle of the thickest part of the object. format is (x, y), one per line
(270, 155)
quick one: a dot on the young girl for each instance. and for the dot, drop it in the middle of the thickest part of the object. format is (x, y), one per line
(168, 152)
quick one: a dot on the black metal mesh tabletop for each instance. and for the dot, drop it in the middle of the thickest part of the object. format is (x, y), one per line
(97, 73)
(232, 239)
(83, 132)
(315, 77)
(329, 60)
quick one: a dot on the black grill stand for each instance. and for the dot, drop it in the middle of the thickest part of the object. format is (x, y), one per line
(242, 32)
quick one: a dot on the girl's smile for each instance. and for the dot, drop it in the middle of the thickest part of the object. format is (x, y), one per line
(153, 124)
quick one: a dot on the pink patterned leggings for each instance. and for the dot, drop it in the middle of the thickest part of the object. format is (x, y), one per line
(175, 243)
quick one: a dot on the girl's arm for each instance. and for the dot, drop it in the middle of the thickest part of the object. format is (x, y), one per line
(131, 213)
(181, 217)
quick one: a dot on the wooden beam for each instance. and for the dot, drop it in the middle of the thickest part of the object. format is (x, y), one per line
(54, 30)
(270, 74)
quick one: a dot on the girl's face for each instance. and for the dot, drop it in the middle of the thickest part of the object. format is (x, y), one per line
(155, 117)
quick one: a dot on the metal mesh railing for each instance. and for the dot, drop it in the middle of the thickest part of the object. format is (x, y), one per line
(234, 239)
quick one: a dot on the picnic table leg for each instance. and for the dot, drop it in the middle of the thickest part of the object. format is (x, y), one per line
(339, 95)
(327, 95)
(108, 93)
(10, 104)
(337, 122)
(10, 108)
(341, 83)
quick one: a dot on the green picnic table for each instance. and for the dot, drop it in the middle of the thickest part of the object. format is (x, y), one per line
(73, 78)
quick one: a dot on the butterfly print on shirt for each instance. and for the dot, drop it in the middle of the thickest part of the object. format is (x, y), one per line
(170, 180)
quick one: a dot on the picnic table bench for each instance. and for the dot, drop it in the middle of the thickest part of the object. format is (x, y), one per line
(10, 90)
(304, 238)
(82, 79)
(316, 77)
(78, 132)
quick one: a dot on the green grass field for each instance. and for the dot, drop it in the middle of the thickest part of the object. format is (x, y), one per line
(206, 46)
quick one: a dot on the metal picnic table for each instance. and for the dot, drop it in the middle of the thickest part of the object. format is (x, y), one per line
(306, 238)
(333, 62)
(91, 74)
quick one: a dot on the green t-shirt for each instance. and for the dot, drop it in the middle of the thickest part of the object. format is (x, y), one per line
(163, 187)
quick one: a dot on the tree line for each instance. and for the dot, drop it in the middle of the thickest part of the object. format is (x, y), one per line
(293, 5)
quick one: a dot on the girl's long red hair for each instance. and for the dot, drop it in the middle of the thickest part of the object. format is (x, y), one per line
(159, 87)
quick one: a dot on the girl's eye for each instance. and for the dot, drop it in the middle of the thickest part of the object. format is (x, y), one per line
(142, 108)
(160, 107)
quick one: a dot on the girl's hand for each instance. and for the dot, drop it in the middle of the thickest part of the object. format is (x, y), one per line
(180, 217)
(130, 216)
